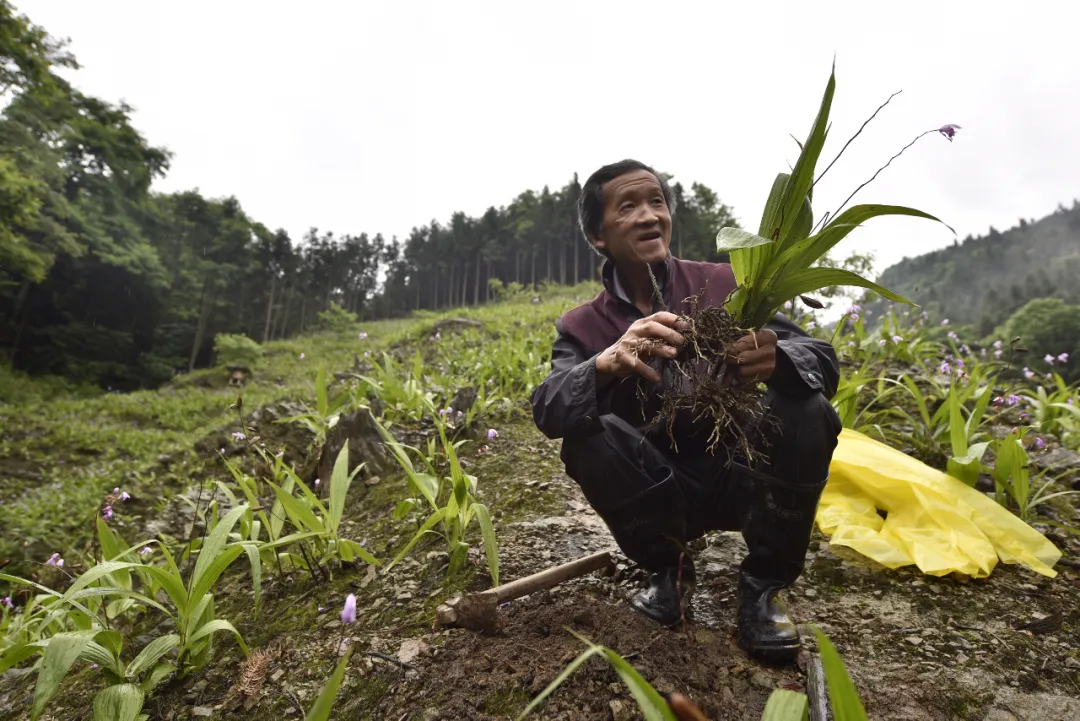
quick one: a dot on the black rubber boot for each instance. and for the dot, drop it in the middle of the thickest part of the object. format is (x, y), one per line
(650, 528)
(777, 534)
(668, 595)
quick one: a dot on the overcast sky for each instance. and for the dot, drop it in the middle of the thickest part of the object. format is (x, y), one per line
(377, 117)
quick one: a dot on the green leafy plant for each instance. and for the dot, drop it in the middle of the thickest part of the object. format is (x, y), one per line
(321, 419)
(451, 497)
(190, 608)
(336, 318)
(236, 349)
(775, 265)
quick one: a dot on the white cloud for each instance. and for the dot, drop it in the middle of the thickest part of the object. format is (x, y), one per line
(378, 117)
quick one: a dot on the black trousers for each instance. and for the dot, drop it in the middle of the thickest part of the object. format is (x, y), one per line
(655, 500)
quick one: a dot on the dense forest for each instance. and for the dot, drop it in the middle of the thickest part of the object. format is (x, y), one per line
(982, 282)
(104, 281)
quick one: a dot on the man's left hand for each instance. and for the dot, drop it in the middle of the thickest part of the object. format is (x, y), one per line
(753, 358)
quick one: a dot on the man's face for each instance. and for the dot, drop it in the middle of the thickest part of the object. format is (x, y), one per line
(637, 224)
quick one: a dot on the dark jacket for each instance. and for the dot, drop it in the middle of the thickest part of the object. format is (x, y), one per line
(568, 402)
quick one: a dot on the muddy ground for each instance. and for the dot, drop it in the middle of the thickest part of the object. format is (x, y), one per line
(918, 647)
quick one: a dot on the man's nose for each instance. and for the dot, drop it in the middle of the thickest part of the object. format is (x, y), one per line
(647, 215)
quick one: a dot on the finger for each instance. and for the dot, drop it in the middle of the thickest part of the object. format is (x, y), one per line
(662, 332)
(752, 356)
(636, 365)
(664, 317)
(754, 373)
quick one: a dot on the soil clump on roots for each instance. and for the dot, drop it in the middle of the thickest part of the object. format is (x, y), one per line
(700, 385)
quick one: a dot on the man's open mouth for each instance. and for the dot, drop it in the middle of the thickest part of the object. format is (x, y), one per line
(655, 235)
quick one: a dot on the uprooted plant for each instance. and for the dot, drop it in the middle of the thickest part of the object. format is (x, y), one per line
(772, 267)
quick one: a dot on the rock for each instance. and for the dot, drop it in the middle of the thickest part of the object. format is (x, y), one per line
(1072, 662)
(365, 444)
(620, 711)
(463, 400)
(762, 679)
(202, 711)
(961, 658)
(914, 640)
(431, 714)
(276, 676)
(411, 649)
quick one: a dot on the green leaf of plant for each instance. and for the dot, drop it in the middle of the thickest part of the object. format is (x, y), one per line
(299, 514)
(103, 657)
(784, 705)
(843, 698)
(563, 675)
(61, 652)
(491, 544)
(320, 711)
(802, 176)
(13, 656)
(214, 626)
(340, 479)
(428, 525)
(123, 702)
(212, 547)
(151, 654)
(805, 281)
(252, 550)
(651, 703)
(112, 549)
(209, 577)
(357, 550)
(159, 674)
(732, 239)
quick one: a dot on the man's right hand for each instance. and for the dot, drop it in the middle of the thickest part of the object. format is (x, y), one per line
(629, 354)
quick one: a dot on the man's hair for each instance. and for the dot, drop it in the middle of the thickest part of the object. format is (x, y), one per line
(591, 203)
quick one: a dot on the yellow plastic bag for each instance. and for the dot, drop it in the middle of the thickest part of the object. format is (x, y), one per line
(933, 520)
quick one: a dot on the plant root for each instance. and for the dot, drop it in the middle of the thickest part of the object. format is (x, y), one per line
(701, 385)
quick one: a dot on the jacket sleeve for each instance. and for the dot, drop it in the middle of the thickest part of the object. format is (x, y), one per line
(804, 365)
(568, 400)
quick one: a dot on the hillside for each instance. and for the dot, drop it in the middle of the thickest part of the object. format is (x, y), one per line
(918, 647)
(982, 281)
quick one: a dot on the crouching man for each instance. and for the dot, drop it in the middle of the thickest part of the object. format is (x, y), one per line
(656, 494)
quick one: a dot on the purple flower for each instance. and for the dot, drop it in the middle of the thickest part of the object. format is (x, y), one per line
(997, 354)
(116, 490)
(997, 344)
(492, 434)
(124, 495)
(945, 322)
(925, 315)
(444, 411)
(851, 344)
(301, 356)
(107, 514)
(55, 560)
(897, 339)
(438, 335)
(945, 368)
(854, 310)
(953, 336)
(146, 551)
(7, 602)
(1025, 415)
(363, 335)
(959, 363)
(965, 350)
(1028, 373)
(1063, 358)
(1049, 359)
(1013, 400)
(998, 401)
(317, 482)
(238, 436)
(854, 317)
(882, 342)
(811, 325)
(1040, 443)
(949, 130)
(348, 614)
(459, 415)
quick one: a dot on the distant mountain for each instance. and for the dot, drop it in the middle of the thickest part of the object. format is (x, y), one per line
(982, 281)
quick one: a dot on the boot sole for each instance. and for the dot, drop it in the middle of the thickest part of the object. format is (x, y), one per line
(778, 655)
(647, 613)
